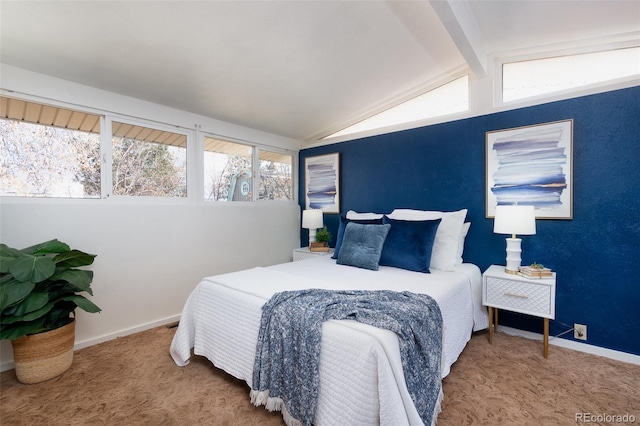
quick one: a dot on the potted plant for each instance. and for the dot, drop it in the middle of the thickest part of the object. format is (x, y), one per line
(323, 236)
(39, 292)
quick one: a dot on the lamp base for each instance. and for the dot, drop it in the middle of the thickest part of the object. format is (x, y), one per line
(513, 255)
(312, 235)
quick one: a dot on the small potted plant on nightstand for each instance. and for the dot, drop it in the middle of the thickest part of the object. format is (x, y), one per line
(323, 236)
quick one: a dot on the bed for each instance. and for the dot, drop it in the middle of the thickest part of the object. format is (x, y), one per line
(361, 376)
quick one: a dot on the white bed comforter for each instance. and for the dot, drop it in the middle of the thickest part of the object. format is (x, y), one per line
(361, 377)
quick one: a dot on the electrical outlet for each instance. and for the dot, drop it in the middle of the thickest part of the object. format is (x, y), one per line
(580, 331)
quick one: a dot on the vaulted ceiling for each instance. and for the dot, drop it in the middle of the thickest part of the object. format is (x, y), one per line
(299, 69)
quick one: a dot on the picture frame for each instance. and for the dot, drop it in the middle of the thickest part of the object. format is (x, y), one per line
(322, 182)
(531, 165)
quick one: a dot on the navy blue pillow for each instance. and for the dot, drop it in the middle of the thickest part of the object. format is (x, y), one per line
(409, 244)
(362, 245)
(343, 224)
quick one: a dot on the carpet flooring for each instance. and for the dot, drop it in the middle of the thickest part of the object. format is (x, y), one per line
(133, 381)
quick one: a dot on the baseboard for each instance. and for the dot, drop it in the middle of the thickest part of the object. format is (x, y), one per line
(571, 344)
(8, 365)
(143, 327)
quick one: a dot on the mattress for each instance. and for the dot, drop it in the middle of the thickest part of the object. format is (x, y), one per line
(361, 377)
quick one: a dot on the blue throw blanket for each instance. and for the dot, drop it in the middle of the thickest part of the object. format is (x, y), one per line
(288, 350)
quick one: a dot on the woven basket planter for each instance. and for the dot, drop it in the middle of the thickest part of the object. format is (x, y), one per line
(43, 356)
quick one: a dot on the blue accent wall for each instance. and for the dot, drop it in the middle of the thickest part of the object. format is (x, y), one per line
(596, 255)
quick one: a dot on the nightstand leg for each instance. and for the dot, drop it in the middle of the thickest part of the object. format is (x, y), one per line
(545, 350)
(495, 319)
(490, 323)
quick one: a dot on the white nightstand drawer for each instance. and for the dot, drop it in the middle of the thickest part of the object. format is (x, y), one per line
(519, 296)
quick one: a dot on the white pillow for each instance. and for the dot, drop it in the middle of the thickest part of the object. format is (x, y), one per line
(445, 247)
(353, 215)
(463, 235)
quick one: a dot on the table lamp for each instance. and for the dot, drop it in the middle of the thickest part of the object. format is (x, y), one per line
(514, 220)
(312, 220)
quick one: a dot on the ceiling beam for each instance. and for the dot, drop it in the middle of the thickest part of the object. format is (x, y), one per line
(460, 23)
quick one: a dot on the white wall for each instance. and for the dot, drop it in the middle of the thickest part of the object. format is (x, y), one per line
(150, 255)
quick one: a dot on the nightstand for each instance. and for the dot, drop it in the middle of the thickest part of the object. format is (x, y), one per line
(511, 292)
(304, 253)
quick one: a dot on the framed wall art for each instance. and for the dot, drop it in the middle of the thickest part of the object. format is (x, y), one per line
(531, 165)
(322, 183)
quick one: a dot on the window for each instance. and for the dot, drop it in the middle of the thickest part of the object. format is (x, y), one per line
(52, 151)
(47, 151)
(276, 176)
(446, 99)
(227, 170)
(541, 76)
(148, 162)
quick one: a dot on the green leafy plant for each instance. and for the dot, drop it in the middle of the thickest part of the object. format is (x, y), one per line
(39, 287)
(323, 236)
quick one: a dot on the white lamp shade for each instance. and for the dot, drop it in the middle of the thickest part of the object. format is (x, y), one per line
(515, 220)
(312, 219)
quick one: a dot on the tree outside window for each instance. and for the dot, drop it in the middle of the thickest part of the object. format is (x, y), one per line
(276, 178)
(148, 162)
(48, 161)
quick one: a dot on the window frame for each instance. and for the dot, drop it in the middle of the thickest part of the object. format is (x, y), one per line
(442, 83)
(106, 139)
(201, 176)
(194, 160)
(62, 106)
(255, 165)
(613, 84)
(294, 174)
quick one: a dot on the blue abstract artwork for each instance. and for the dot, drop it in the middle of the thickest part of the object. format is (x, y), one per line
(531, 166)
(323, 182)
